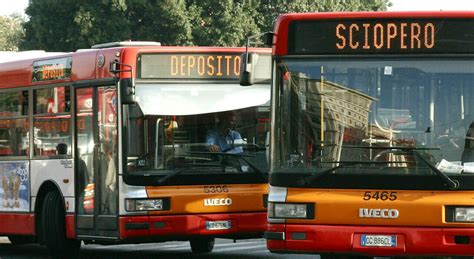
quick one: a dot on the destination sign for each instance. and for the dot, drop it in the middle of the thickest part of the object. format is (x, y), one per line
(52, 69)
(382, 36)
(196, 66)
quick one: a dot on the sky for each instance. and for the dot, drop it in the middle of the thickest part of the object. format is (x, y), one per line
(8, 7)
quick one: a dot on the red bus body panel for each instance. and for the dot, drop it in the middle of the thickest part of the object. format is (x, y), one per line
(193, 225)
(346, 240)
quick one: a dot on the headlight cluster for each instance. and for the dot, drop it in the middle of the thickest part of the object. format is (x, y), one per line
(290, 210)
(464, 214)
(146, 204)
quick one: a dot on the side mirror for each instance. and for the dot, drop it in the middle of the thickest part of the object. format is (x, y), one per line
(247, 68)
(127, 85)
(134, 130)
(160, 144)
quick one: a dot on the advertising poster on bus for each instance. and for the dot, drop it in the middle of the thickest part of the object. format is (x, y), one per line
(14, 191)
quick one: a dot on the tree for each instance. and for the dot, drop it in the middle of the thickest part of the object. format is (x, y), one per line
(222, 22)
(165, 21)
(69, 25)
(271, 9)
(11, 32)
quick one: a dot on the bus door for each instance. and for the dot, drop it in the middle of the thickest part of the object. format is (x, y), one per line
(96, 161)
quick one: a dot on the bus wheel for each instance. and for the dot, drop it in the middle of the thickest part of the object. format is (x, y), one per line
(21, 240)
(53, 217)
(202, 245)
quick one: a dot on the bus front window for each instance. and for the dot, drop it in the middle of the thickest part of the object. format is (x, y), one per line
(359, 116)
(204, 132)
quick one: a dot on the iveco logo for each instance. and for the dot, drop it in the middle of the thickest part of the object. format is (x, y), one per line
(218, 202)
(378, 213)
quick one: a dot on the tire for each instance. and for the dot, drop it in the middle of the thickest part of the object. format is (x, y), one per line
(53, 224)
(202, 245)
(21, 240)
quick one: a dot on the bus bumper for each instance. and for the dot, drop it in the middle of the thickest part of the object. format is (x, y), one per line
(347, 240)
(182, 227)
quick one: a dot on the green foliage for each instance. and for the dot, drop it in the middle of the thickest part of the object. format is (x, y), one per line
(11, 32)
(271, 9)
(165, 21)
(222, 23)
(67, 25)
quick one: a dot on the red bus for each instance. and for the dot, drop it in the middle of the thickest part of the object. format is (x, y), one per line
(371, 139)
(112, 145)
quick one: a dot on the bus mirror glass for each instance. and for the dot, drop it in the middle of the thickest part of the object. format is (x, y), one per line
(247, 68)
(160, 144)
(134, 129)
(127, 91)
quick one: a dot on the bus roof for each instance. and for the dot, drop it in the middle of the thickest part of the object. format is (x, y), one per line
(9, 56)
(87, 64)
(283, 23)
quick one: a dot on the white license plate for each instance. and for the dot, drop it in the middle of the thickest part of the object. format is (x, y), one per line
(378, 240)
(218, 225)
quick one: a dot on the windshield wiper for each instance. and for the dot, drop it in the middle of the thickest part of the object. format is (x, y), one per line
(239, 155)
(171, 175)
(315, 176)
(452, 184)
(182, 170)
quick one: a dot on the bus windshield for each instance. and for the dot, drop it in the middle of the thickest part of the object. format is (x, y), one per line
(197, 129)
(359, 116)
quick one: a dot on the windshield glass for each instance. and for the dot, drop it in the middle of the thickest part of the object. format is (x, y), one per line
(187, 130)
(364, 115)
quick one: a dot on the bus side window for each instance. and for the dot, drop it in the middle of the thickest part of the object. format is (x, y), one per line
(14, 132)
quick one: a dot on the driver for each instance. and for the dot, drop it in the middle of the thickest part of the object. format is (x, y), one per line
(225, 138)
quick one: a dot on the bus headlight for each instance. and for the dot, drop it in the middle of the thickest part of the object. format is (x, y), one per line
(290, 210)
(464, 214)
(146, 204)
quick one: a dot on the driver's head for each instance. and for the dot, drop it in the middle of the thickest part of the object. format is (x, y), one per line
(227, 120)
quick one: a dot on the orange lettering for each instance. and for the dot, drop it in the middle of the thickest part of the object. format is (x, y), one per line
(429, 31)
(353, 27)
(403, 35)
(366, 35)
(391, 33)
(191, 63)
(342, 44)
(227, 59)
(378, 36)
(237, 65)
(174, 65)
(182, 65)
(210, 59)
(201, 66)
(219, 72)
(415, 35)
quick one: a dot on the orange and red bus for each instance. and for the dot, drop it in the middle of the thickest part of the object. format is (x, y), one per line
(109, 145)
(372, 134)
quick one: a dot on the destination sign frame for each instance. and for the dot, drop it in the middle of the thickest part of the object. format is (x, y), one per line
(381, 36)
(192, 66)
(52, 69)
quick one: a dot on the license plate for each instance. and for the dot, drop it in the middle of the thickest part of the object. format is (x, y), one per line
(378, 240)
(218, 225)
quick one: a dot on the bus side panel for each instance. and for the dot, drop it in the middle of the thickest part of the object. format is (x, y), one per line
(58, 171)
(16, 223)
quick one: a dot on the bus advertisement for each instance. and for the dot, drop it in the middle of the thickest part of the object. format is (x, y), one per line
(372, 134)
(133, 142)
